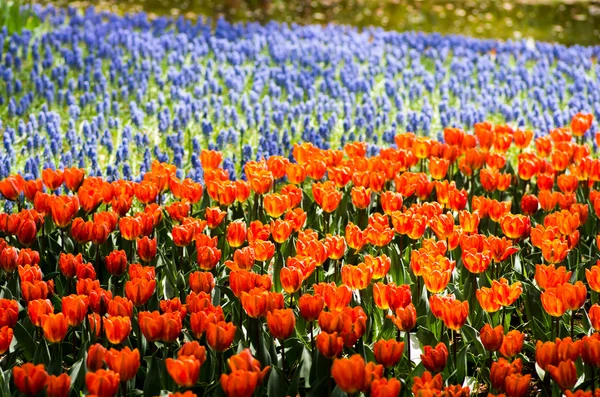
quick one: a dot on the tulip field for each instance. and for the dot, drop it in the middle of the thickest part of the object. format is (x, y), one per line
(214, 209)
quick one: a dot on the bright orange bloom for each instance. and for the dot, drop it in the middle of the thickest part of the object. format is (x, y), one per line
(75, 308)
(63, 209)
(568, 350)
(210, 159)
(592, 276)
(220, 336)
(565, 374)
(58, 386)
(546, 353)
(102, 383)
(357, 277)
(427, 383)
(388, 352)
(581, 123)
(275, 204)
(281, 323)
(476, 262)
(361, 197)
(310, 306)
(139, 290)
(6, 335)
(254, 302)
(548, 276)
(12, 186)
(355, 237)
(263, 250)
(455, 314)
(330, 345)
(590, 349)
(573, 296)
(552, 303)
(517, 385)
(529, 204)
(555, 251)
(297, 217)
(505, 294)
(291, 279)
(336, 298)
(594, 315)
(405, 318)
(184, 370)
(55, 327)
(52, 179)
(434, 358)
(202, 281)
(146, 248)
(512, 344)
(214, 216)
(349, 373)
(326, 196)
(124, 362)
(119, 306)
(391, 202)
(442, 225)
(501, 369)
(492, 338)
(515, 226)
(116, 328)
(116, 262)
(487, 299)
(438, 167)
(30, 379)
(281, 230)
(261, 181)
(236, 233)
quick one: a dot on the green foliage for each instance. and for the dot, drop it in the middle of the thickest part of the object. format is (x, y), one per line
(17, 15)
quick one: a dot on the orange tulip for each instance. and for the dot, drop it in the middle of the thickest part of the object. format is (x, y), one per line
(254, 302)
(357, 277)
(240, 383)
(95, 357)
(184, 370)
(548, 276)
(35, 309)
(236, 233)
(565, 374)
(330, 345)
(275, 204)
(58, 386)
(405, 318)
(492, 338)
(361, 197)
(515, 226)
(385, 388)
(281, 230)
(116, 328)
(139, 290)
(438, 167)
(12, 186)
(310, 306)
(75, 307)
(30, 379)
(517, 385)
(349, 373)
(6, 335)
(124, 362)
(388, 352)
(116, 262)
(146, 248)
(291, 279)
(102, 383)
(281, 323)
(434, 358)
(55, 327)
(202, 281)
(501, 369)
(52, 179)
(512, 344)
(220, 335)
(546, 353)
(552, 303)
(581, 123)
(455, 314)
(590, 349)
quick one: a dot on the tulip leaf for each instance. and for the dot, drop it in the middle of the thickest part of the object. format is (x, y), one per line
(276, 384)
(294, 382)
(337, 392)
(5, 382)
(77, 375)
(25, 340)
(470, 335)
(42, 353)
(152, 382)
(461, 364)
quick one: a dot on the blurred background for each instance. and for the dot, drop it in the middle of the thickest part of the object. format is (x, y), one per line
(567, 22)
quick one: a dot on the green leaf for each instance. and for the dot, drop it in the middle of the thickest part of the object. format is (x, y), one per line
(461, 364)
(77, 375)
(152, 382)
(25, 340)
(276, 384)
(470, 336)
(42, 353)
